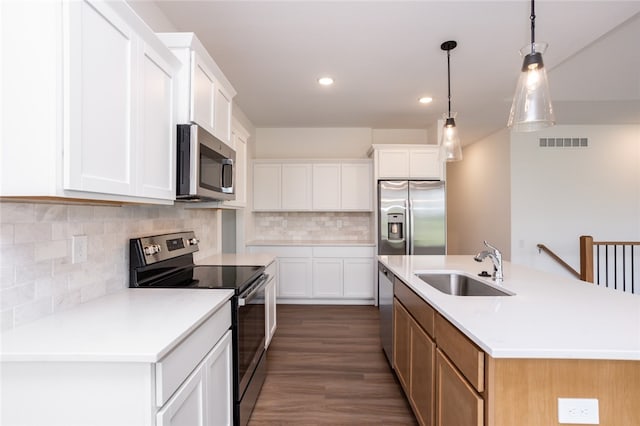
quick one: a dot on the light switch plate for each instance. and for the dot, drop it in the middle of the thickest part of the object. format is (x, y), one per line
(578, 411)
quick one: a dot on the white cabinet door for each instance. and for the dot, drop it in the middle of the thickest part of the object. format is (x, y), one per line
(358, 278)
(222, 112)
(326, 187)
(393, 163)
(424, 163)
(296, 187)
(101, 64)
(203, 94)
(356, 187)
(187, 405)
(270, 310)
(267, 181)
(327, 278)
(156, 140)
(294, 277)
(218, 366)
(240, 166)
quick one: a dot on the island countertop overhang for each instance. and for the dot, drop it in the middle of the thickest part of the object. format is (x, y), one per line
(550, 316)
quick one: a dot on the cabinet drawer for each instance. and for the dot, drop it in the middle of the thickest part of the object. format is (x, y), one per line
(419, 309)
(174, 368)
(456, 402)
(463, 352)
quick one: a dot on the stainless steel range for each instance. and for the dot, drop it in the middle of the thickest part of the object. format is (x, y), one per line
(166, 261)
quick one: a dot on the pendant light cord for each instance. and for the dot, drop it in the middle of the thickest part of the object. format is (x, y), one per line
(533, 26)
(449, 82)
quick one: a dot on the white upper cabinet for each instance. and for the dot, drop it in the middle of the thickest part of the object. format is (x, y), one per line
(296, 187)
(326, 186)
(205, 95)
(105, 107)
(408, 162)
(313, 185)
(356, 186)
(267, 186)
(239, 139)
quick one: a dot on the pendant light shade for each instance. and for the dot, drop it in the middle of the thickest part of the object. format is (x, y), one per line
(531, 109)
(450, 147)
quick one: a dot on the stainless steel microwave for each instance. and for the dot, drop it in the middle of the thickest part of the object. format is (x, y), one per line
(205, 166)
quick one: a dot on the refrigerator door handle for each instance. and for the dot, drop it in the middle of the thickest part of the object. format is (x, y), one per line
(409, 244)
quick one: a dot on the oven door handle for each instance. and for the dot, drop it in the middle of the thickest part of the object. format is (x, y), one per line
(262, 282)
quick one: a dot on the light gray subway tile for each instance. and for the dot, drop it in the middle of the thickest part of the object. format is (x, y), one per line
(33, 271)
(17, 295)
(17, 254)
(6, 320)
(93, 228)
(17, 212)
(6, 234)
(80, 213)
(32, 232)
(49, 250)
(66, 300)
(93, 291)
(7, 276)
(51, 213)
(33, 311)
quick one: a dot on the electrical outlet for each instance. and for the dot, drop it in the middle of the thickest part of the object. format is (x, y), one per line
(79, 248)
(581, 411)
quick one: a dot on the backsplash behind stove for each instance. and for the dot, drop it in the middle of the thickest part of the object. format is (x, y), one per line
(313, 226)
(37, 277)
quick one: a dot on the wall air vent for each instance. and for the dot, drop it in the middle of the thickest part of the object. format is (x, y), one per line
(564, 142)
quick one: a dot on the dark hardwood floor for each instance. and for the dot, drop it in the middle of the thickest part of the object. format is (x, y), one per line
(326, 367)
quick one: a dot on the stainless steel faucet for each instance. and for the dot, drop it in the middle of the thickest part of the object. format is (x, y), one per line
(496, 257)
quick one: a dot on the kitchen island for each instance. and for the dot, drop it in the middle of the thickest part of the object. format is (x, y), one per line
(508, 360)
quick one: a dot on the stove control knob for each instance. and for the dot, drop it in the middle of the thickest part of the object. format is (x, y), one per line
(193, 241)
(152, 249)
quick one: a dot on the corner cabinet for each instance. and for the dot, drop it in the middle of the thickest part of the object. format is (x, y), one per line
(106, 109)
(204, 95)
(408, 162)
(312, 185)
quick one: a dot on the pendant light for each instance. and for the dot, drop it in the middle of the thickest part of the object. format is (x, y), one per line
(531, 109)
(450, 149)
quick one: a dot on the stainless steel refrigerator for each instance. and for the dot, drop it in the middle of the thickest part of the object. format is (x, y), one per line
(411, 217)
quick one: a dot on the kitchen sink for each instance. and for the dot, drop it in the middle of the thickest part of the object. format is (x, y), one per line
(457, 284)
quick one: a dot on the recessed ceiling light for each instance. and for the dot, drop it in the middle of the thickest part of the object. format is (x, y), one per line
(425, 100)
(325, 81)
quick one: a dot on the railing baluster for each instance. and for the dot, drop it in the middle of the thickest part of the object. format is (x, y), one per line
(615, 267)
(598, 263)
(633, 290)
(624, 269)
(606, 266)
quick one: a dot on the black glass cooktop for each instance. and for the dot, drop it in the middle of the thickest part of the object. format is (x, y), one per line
(231, 277)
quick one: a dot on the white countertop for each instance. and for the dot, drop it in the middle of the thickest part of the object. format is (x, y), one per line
(311, 243)
(549, 316)
(132, 325)
(238, 259)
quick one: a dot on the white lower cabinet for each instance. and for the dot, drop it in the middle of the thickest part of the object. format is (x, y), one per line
(205, 397)
(324, 274)
(191, 385)
(270, 294)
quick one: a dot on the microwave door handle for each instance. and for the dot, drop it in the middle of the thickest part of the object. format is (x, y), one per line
(227, 162)
(262, 282)
(194, 178)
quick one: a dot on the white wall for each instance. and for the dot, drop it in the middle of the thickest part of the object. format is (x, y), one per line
(289, 142)
(558, 194)
(399, 136)
(478, 197)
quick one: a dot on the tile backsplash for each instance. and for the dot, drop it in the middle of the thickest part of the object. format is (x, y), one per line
(313, 226)
(37, 276)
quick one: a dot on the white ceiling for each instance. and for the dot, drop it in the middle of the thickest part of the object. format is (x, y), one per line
(385, 55)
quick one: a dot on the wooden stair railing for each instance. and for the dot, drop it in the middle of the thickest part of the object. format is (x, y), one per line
(625, 260)
(565, 265)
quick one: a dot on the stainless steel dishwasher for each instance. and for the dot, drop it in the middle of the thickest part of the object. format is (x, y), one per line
(385, 306)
